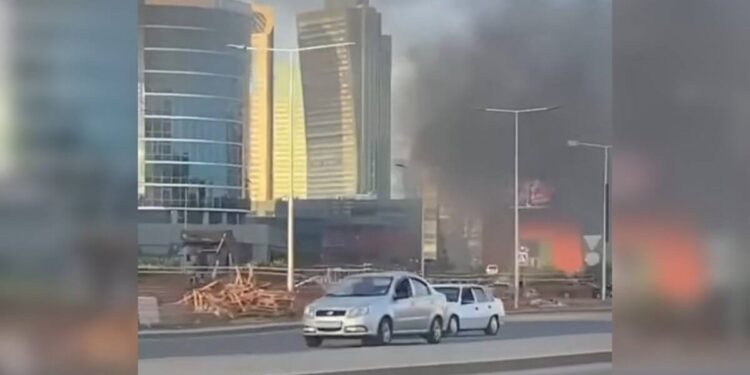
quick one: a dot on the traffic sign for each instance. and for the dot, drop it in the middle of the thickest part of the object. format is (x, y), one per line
(592, 240)
(523, 259)
(523, 256)
(592, 258)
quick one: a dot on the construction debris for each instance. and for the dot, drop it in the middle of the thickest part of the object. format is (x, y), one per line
(241, 297)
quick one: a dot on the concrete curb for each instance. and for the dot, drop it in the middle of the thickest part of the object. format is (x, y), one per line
(213, 331)
(276, 327)
(519, 364)
(559, 310)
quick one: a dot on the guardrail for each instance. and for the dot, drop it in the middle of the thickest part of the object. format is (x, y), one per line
(507, 278)
(256, 269)
(331, 274)
(302, 276)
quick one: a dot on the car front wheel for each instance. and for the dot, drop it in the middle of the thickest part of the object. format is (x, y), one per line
(435, 334)
(453, 326)
(313, 341)
(493, 326)
(384, 336)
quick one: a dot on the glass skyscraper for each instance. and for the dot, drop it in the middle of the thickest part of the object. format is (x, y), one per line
(347, 101)
(193, 93)
(260, 124)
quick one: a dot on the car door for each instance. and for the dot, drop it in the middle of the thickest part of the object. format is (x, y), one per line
(404, 315)
(423, 304)
(484, 308)
(467, 310)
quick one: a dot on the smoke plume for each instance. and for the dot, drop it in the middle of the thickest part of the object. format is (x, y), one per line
(514, 54)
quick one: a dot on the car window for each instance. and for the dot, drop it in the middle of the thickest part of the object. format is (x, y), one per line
(467, 296)
(361, 286)
(480, 295)
(420, 288)
(403, 287)
(451, 293)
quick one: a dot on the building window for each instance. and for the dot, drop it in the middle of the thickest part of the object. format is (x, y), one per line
(154, 217)
(180, 217)
(195, 217)
(215, 218)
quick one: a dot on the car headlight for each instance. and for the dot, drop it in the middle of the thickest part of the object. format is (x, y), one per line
(359, 311)
(309, 311)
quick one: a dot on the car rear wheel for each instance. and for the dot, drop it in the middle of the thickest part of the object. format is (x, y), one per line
(453, 326)
(313, 341)
(493, 327)
(435, 334)
(384, 336)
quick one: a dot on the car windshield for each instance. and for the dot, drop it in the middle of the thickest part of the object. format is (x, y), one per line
(361, 286)
(451, 293)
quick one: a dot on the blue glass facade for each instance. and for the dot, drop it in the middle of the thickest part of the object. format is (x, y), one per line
(193, 103)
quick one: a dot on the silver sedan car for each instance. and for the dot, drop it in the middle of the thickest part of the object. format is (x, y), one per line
(375, 307)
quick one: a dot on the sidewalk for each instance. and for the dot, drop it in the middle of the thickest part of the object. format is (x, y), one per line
(251, 325)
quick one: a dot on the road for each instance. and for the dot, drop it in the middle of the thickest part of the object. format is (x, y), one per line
(592, 369)
(284, 352)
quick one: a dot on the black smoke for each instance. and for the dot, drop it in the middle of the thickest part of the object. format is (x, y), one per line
(682, 102)
(515, 54)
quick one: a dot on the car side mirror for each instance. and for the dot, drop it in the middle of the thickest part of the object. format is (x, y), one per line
(399, 296)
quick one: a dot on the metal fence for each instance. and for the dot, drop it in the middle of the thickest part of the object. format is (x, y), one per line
(326, 275)
(303, 276)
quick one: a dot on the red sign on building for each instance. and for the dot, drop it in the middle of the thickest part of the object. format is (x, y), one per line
(534, 194)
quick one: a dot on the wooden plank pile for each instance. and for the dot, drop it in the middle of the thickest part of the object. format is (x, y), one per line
(240, 297)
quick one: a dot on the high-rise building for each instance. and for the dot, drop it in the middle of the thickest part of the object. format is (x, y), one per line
(281, 127)
(347, 93)
(260, 130)
(192, 154)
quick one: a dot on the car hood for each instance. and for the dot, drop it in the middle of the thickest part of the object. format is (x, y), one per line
(346, 302)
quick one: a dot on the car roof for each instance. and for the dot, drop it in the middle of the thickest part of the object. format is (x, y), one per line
(388, 273)
(456, 285)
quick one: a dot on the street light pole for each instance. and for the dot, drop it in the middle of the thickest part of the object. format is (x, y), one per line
(516, 221)
(290, 201)
(516, 235)
(605, 204)
(290, 99)
(605, 232)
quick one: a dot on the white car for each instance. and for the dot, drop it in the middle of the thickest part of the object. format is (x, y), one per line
(471, 308)
(492, 269)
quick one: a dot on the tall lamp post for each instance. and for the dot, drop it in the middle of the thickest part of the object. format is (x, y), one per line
(290, 99)
(516, 239)
(605, 203)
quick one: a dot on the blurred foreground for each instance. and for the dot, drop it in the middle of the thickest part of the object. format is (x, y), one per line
(67, 182)
(681, 186)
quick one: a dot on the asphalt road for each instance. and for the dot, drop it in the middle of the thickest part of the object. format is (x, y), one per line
(290, 341)
(593, 369)
(284, 352)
